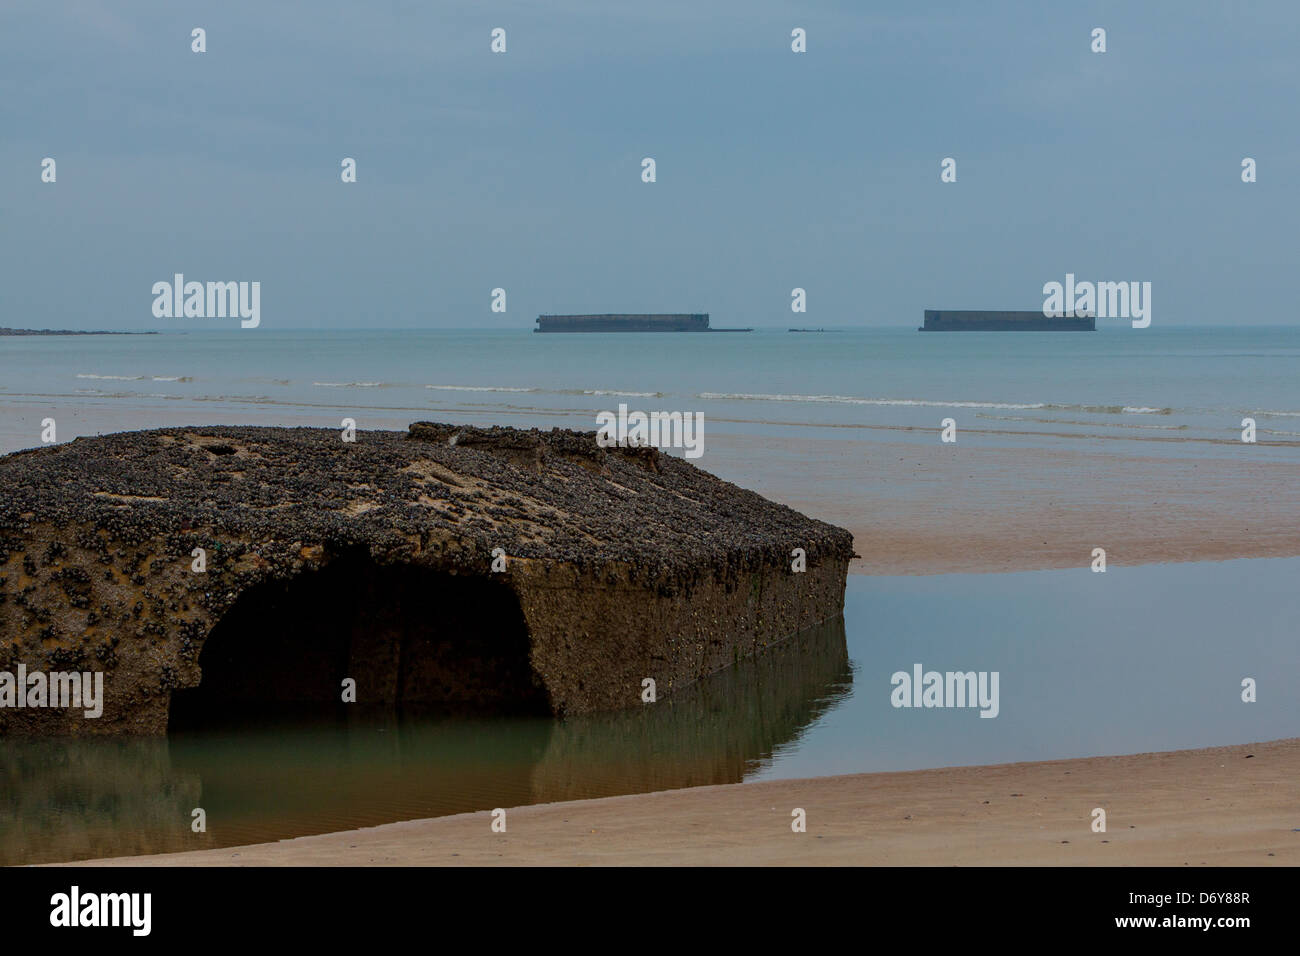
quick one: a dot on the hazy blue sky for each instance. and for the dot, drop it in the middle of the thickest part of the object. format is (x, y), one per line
(522, 170)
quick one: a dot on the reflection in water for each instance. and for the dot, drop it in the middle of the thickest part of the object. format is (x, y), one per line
(80, 798)
(67, 799)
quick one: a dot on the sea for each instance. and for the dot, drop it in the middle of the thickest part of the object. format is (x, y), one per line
(1172, 388)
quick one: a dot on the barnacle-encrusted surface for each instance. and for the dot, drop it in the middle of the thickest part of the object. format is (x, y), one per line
(610, 551)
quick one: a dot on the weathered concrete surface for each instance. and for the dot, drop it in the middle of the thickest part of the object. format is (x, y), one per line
(622, 564)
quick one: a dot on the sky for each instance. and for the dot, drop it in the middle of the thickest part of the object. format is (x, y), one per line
(522, 170)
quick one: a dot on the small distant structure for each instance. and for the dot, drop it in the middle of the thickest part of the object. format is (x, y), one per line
(993, 321)
(629, 322)
(68, 332)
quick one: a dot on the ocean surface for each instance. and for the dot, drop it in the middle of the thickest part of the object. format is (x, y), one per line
(1175, 391)
(1134, 660)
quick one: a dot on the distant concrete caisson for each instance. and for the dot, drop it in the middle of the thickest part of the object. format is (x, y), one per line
(619, 322)
(994, 321)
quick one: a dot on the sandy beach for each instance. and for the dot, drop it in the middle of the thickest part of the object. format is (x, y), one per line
(1217, 806)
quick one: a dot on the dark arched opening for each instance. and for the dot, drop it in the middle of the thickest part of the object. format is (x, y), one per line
(414, 640)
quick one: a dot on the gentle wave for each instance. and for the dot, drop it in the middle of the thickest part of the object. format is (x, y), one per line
(929, 403)
(136, 378)
(851, 400)
(741, 396)
(479, 388)
(1071, 421)
(1112, 409)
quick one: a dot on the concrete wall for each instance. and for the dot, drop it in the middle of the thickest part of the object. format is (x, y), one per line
(593, 633)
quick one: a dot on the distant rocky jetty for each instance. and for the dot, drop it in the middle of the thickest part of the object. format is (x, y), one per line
(66, 332)
(206, 570)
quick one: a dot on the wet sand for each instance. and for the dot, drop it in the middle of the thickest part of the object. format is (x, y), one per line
(928, 509)
(1218, 806)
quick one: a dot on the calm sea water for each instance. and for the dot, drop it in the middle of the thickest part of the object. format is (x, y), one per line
(1174, 390)
(1133, 660)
